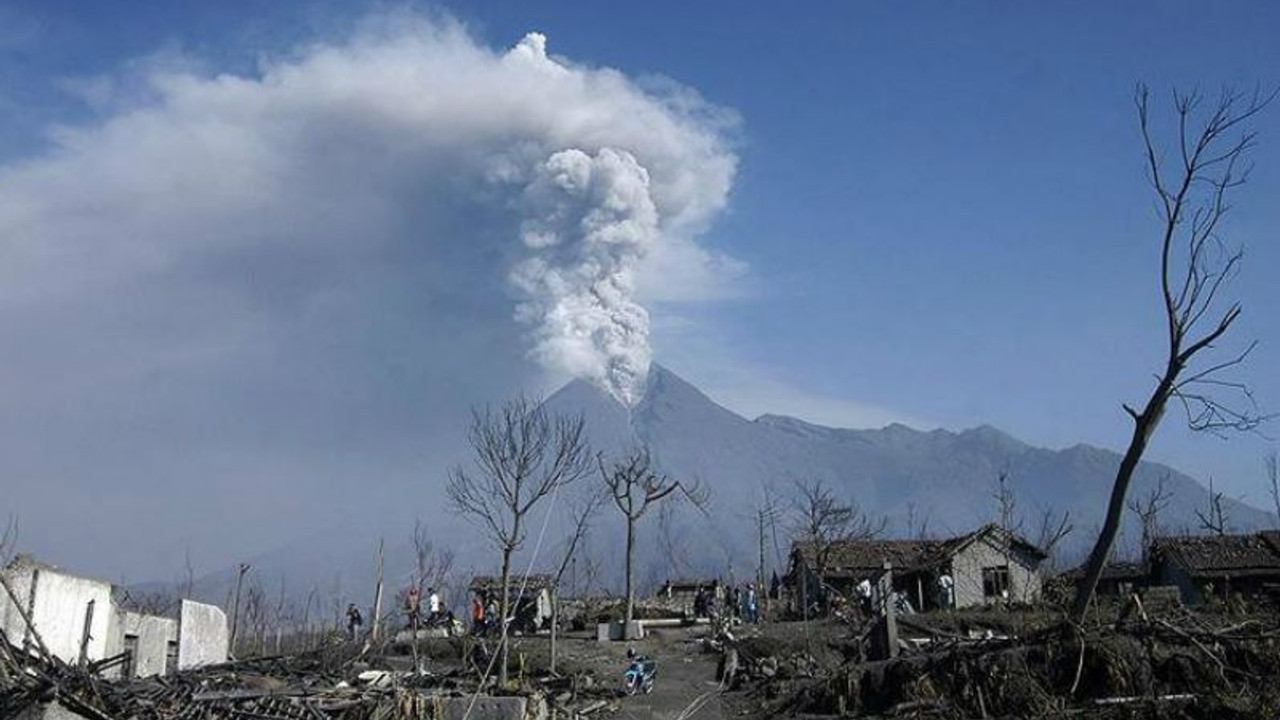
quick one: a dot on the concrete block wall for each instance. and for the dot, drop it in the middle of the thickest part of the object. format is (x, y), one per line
(57, 603)
(154, 635)
(203, 635)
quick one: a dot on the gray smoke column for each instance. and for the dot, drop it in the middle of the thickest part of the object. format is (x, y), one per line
(591, 223)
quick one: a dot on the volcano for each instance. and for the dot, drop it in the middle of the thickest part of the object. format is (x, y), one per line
(940, 478)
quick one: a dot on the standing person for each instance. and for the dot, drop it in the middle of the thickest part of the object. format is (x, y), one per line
(752, 603)
(354, 621)
(700, 603)
(864, 596)
(477, 614)
(413, 607)
(433, 606)
(490, 612)
(946, 591)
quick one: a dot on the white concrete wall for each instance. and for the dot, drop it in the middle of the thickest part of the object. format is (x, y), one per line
(18, 576)
(154, 635)
(56, 602)
(203, 635)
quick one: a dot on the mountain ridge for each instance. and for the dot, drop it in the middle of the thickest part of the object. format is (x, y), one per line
(939, 482)
(949, 475)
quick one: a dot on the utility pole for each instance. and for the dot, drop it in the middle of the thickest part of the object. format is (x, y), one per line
(761, 596)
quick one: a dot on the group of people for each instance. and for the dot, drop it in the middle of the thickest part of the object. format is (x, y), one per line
(944, 596)
(436, 612)
(484, 613)
(742, 603)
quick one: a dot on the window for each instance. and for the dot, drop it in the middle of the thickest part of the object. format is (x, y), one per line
(995, 582)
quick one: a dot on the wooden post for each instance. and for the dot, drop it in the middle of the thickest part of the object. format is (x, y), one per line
(555, 620)
(377, 596)
(235, 607)
(885, 591)
(85, 634)
(762, 597)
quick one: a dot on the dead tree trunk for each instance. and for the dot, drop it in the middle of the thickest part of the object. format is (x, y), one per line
(1194, 265)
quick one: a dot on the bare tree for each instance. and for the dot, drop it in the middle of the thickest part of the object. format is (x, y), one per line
(1148, 509)
(189, 574)
(9, 540)
(635, 487)
(431, 565)
(1213, 519)
(1195, 264)
(1006, 503)
(765, 514)
(824, 522)
(149, 602)
(1052, 529)
(1272, 463)
(522, 455)
(582, 510)
(917, 522)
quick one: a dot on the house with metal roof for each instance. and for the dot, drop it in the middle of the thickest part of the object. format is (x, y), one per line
(987, 566)
(1205, 565)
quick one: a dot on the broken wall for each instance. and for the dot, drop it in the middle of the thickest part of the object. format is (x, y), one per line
(58, 606)
(203, 635)
(152, 635)
(18, 576)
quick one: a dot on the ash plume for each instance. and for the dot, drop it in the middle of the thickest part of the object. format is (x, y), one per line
(593, 222)
(266, 280)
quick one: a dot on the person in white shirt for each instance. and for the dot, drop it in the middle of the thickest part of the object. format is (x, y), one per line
(433, 605)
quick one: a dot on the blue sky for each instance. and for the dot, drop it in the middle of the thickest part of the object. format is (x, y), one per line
(926, 212)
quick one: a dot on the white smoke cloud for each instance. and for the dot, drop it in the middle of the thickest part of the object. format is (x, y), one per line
(248, 281)
(593, 222)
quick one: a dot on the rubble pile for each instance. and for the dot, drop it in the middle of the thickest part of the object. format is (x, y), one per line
(1175, 664)
(336, 682)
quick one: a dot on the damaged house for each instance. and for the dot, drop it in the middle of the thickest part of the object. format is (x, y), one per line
(987, 566)
(79, 620)
(530, 599)
(1207, 565)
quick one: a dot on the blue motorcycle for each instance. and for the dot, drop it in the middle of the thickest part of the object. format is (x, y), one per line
(639, 675)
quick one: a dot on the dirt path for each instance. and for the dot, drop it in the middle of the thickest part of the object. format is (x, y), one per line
(686, 688)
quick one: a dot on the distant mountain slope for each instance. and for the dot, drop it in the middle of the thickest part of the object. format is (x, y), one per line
(945, 476)
(895, 471)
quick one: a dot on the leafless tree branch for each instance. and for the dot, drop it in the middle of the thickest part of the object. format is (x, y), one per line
(1195, 265)
(521, 455)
